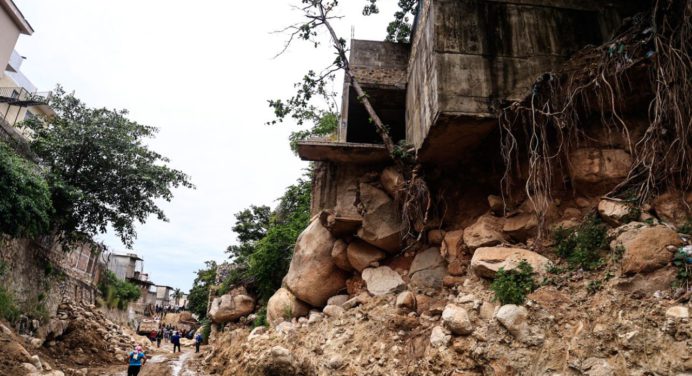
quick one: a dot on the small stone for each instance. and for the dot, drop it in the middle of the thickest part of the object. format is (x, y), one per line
(678, 312)
(456, 319)
(337, 300)
(382, 280)
(333, 311)
(335, 362)
(438, 337)
(406, 301)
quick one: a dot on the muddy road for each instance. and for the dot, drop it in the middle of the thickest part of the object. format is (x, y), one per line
(160, 363)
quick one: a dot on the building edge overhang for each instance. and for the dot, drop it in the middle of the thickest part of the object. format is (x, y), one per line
(16, 15)
(342, 152)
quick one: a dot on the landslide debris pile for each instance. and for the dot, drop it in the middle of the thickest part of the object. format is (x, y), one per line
(81, 336)
(461, 331)
(76, 339)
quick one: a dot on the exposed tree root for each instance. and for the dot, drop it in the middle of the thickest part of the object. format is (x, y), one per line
(542, 129)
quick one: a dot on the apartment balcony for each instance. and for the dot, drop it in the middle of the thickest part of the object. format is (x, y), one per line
(17, 96)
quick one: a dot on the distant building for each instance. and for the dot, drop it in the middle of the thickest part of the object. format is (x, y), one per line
(163, 295)
(125, 266)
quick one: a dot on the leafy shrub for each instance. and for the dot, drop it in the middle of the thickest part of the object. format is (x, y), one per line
(580, 247)
(684, 274)
(206, 329)
(261, 319)
(512, 286)
(8, 308)
(25, 199)
(116, 292)
(198, 298)
(686, 228)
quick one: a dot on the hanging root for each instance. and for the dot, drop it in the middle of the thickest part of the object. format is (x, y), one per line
(415, 205)
(541, 130)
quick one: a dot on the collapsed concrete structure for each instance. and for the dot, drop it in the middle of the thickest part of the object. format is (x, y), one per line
(441, 93)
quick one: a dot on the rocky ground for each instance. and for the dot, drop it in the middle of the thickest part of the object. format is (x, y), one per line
(461, 331)
(80, 341)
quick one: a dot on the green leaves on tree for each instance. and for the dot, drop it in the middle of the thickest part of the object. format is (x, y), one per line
(25, 197)
(100, 170)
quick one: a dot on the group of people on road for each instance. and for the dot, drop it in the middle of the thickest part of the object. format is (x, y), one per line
(137, 358)
(169, 333)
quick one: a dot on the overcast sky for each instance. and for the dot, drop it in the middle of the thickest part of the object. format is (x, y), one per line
(201, 71)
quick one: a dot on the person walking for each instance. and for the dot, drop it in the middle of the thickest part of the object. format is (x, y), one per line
(159, 337)
(136, 359)
(198, 341)
(175, 339)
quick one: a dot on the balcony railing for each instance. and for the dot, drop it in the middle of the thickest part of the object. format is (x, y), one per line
(17, 96)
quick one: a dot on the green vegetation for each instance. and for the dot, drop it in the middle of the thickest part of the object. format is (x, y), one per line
(683, 278)
(265, 260)
(199, 294)
(686, 228)
(581, 246)
(116, 292)
(99, 169)
(25, 199)
(206, 328)
(261, 319)
(325, 124)
(400, 29)
(8, 307)
(512, 286)
(594, 286)
(261, 259)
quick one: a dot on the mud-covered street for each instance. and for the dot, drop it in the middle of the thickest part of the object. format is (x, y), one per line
(161, 363)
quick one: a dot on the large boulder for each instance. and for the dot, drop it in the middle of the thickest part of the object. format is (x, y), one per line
(521, 226)
(362, 255)
(284, 306)
(340, 257)
(673, 208)
(616, 213)
(452, 244)
(313, 277)
(392, 180)
(596, 171)
(428, 269)
(487, 261)
(231, 306)
(646, 248)
(515, 319)
(485, 232)
(381, 220)
(383, 280)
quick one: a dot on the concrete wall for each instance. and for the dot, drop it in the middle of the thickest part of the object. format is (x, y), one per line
(335, 185)
(9, 34)
(469, 56)
(40, 277)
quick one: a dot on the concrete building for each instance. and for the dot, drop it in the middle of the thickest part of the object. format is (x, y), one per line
(12, 25)
(441, 93)
(125, 266)
(163, 296)
(19, 98)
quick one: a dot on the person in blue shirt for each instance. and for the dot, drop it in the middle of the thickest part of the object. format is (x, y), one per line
(198, 341)
(175, 339)
(136, 359)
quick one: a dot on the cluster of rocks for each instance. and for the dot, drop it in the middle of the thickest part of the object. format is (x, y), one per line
(347, 255)
(91, 338)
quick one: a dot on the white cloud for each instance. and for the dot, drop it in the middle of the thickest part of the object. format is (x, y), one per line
(201, 73)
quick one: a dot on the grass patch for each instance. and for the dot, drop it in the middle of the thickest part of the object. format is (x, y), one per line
(512, 286)
(581, 246)
(8, 308)
(261, 319)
